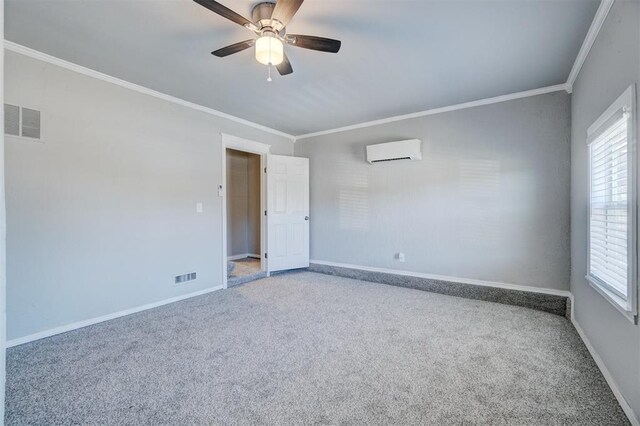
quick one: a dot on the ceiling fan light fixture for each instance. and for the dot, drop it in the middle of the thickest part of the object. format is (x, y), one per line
(269, 50)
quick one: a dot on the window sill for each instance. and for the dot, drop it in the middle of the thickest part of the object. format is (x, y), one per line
(619, 303)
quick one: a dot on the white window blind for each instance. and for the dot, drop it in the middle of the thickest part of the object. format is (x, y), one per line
(612, 205)
(610, 210)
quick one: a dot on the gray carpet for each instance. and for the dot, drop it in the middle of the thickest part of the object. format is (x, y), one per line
(545, 302)
(306, 348)
(245, 271)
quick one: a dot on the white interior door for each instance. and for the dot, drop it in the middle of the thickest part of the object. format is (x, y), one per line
(287, 212)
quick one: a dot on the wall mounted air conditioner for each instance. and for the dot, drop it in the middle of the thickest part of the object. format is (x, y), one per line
(392, 151)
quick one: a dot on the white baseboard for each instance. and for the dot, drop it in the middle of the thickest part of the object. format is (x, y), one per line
(237, 256)
(243, 256)
(507, 286)
(85, 323)
(603, 369)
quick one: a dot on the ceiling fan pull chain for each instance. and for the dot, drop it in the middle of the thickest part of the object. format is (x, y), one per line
(269, 77)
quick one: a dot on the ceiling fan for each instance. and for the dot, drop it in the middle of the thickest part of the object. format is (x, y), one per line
(269, 24)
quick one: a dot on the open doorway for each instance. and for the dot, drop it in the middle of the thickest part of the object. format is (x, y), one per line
(244, 219)
(282, 183)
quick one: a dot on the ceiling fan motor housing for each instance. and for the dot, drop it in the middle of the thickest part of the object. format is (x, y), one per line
(262, 17)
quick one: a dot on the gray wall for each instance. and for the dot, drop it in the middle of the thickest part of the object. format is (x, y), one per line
(612, 65)
(489, 200)
(3, 277)
(253, 228)
(237, 202)
(101, 216)
(243, 203)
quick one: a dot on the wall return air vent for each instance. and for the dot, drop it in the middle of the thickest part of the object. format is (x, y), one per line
(179, 279)
(22, 122)
(395, 151)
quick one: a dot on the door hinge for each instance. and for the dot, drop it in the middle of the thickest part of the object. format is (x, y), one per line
(265, 170)
(266, 255)
(265, 212)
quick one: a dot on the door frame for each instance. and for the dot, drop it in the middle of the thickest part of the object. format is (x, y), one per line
(252, 147)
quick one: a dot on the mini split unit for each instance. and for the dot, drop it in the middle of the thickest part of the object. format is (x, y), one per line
(394, 151)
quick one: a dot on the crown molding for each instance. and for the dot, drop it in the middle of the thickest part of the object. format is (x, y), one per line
(35, 54)
(480, 102)
(592, 34)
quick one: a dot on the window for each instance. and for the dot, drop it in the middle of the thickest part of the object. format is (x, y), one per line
(612, 205)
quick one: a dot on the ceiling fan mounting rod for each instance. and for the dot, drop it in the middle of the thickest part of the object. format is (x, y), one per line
(262, 15)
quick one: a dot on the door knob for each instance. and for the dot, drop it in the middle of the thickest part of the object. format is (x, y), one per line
(306, 218)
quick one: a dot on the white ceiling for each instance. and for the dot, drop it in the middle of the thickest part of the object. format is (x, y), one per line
(397, 56)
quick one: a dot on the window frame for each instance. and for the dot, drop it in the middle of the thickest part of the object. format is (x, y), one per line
(627, 306)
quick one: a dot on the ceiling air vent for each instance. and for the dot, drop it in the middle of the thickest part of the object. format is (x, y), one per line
(395, 151)
(23, 122)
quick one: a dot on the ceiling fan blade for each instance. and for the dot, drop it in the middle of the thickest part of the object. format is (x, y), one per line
(284, 10)
(285, 66)
(224, 11)
(314, 43)
(234, 48)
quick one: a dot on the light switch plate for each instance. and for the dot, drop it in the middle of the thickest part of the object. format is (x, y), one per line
(198, 207)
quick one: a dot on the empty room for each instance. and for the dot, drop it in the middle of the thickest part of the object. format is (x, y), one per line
(319, 212)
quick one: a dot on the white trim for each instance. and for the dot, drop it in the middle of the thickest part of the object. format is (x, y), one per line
(103, 318)
(237, 256)
(264, 264)
(3, 234)
(453, 280)
(481, 102)
(592, 34)
(603, 368)
(617, 302)
(245, 145)
(26, 51)
(261, 149)
(24, 138)
(32, 53)
(222, 192)
(243, 256)
(573, 304)
(627, 307)
(626, 99)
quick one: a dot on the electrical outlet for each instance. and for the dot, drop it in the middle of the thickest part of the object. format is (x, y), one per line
(400, 257)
